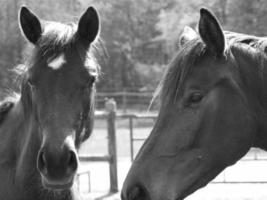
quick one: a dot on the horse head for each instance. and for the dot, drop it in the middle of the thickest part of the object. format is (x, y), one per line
(58, 91)
(208, 117)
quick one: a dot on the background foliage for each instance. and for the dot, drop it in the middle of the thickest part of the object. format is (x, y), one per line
(140, 36)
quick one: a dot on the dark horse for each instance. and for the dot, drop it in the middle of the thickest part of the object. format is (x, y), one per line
(213, 110)
(41, 132)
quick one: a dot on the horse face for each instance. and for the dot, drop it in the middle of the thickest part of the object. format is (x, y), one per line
(204, 127)
(61, 85)
(63, 99)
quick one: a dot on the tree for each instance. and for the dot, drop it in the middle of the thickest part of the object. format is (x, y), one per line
(128, 27)
(140, 36)
(174, 18)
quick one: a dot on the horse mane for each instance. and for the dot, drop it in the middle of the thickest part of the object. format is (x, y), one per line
(171, 85)
(250, 54)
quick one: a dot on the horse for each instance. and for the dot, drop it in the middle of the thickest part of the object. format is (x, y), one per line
(213, 110)
(41, 131)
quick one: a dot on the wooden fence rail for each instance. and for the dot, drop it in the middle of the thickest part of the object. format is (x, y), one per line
(131, 118)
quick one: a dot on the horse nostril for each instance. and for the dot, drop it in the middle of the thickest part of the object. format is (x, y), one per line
(138, 193)
(72, 161)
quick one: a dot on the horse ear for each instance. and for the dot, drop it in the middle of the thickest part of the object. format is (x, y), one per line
(187, 35)
(88, 26)
(211, 32)
(30, 25)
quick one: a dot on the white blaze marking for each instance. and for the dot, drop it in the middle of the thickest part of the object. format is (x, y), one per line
(57, 62)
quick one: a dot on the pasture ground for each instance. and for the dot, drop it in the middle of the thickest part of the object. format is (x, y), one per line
(99, 171)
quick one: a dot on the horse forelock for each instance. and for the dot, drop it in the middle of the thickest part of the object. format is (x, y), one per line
(172, 82)
(58, 38)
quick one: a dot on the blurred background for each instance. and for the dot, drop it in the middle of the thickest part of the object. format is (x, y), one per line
(141, 37)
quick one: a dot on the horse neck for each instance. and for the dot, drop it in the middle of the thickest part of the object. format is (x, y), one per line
(261, 135)
(254, 69)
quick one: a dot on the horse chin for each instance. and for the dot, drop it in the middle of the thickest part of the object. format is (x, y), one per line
(57, 185)
(200, 182)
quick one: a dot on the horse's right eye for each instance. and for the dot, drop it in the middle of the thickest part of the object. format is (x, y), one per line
(194, 98)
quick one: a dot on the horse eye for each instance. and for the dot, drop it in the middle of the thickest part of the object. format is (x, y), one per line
(195, 98)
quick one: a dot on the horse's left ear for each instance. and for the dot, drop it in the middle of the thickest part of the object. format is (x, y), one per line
(88, 26)
(211, 32)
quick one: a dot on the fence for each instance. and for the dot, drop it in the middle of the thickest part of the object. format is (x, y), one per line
(111, 158)
(112, 116)
(253, 154)
(133, 139)
(126, 100)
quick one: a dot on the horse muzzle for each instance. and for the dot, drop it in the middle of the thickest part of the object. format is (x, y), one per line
(57, 166)
(136, 193)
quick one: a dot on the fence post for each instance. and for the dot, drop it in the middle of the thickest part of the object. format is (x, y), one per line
(124, 101)
(112, 147)
(131, 138)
